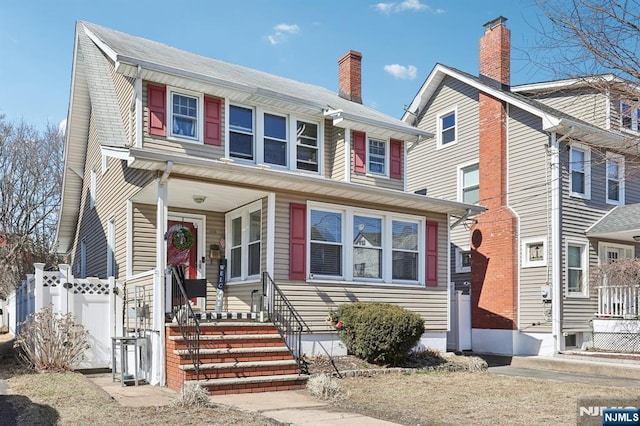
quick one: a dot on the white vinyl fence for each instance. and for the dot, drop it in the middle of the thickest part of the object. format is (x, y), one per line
(95, 303)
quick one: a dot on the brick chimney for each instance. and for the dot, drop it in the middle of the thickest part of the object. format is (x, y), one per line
(350, 76)
(495, 54)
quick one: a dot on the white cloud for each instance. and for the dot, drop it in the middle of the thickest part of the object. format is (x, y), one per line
(62, 127)
(402, 72)
(282, 31)
(406, 5)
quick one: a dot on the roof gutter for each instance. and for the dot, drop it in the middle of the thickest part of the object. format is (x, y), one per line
(339, 115)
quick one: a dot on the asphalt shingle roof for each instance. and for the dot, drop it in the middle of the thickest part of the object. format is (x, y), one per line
(621, 218)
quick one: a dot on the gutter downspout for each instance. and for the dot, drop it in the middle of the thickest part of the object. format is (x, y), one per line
(556, 238)
(138, 108)
(460, 219)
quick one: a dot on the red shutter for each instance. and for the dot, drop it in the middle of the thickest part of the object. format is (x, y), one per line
(432, 254)
(395, 166)
(297, 241)
(212, 121)
(359, 152)
(157, 103)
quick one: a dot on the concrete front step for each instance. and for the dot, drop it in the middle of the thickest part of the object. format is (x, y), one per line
(246, 365)
(219, 337)
(267, 353)
(236, 351)
(253, 384)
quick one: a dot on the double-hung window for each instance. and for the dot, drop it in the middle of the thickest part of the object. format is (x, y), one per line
(577, 261)
(469, 183)
(580, 171)
(244, 237)
(377, 157)
(385, 247)
(629, 115)
(184, 116)
(280, 140)
(615, 179)
(306, 146)
(275, 139)
(241, 133)
(447, 128)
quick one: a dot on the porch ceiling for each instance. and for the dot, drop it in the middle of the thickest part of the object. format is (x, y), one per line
(181, 193)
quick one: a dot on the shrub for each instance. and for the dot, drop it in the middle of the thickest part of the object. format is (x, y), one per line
(48, 341)
(324, 386)
(379, 332)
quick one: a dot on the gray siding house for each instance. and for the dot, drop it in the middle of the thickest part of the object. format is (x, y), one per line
(176, 159)
(548, 161)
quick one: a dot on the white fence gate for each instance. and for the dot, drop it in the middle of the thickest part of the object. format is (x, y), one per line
(95, 304)
(459, 335)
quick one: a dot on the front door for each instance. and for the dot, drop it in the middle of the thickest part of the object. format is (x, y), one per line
(184, 248)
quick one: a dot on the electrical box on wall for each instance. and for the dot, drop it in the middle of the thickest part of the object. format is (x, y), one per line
(545, 292)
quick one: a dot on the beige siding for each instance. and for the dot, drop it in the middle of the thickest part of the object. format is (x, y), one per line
(372, 180)
(125, 94)
(334, 151)
(529, 196)
(196, 149)
(314, 300)
(585, 104)
(143, 245)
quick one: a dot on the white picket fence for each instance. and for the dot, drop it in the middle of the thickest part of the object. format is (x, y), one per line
(95, 303)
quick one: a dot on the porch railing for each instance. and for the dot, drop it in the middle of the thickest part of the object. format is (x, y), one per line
(284, 316)
(618, 301)
(184, 315)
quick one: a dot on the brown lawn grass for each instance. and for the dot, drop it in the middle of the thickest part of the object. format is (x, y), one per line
(444, 398)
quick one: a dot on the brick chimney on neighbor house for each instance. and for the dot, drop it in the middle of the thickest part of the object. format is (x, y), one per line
(495, 53)
(494, 259)
(350, 76)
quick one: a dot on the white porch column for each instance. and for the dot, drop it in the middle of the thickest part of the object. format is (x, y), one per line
(555, 244)
(38, 289)
(157, 359)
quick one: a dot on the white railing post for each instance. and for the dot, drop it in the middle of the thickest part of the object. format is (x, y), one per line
(66, 278)
(38, 291)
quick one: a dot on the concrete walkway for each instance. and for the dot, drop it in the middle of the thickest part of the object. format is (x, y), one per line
(133, 396)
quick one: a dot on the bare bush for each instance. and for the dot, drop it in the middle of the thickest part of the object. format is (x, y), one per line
(49, 341)
(192, 395)
(324, 386)
(621, 273)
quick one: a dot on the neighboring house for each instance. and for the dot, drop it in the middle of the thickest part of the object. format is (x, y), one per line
(548, 161)
(167, 149)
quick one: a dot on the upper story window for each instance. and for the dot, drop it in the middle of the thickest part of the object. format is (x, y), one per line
(469, 183)
(629, 115)
(377, 159)
(184, 116)
(384, 247)
(264, 137)
(580, 171)
(244, 235)
(241, 132)
(577, 259)
(447, 128)
(306, 146)
(615, 179)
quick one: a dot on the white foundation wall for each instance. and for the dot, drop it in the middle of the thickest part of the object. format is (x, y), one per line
(511, 342)
(330, 343)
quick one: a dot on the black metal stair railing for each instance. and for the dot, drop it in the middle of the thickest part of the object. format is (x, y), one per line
(286, 319)
(185, 317)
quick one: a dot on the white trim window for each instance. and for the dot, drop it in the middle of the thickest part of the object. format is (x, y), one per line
(534, 252)
(577, 265)
(629, 115)
(469, 183)
(612, 252)
(244, 242)
(447, 128)
(307, 155)
(241, 133)
(274, 133)
(185, 115)
(463, 259)
(378, 157)
(615, 179)
(580, 171)
(385, 247)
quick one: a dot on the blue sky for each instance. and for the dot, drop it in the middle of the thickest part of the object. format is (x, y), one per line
(401, 41)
